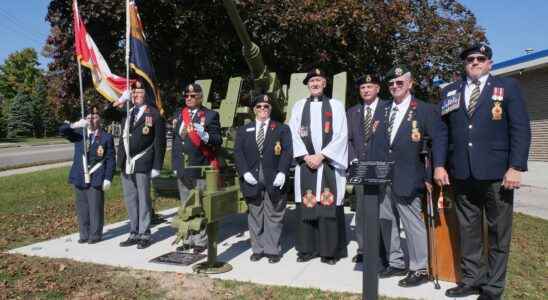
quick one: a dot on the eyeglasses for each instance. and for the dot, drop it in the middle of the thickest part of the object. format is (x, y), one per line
(398, 83)
(191, 96)
(265, 106)
(480, 59)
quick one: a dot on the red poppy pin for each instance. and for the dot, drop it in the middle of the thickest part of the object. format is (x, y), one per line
(328, 114)
(272, 125)
(413, 104)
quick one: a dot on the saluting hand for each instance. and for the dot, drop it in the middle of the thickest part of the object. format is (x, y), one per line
(512, 179)
(440, 176)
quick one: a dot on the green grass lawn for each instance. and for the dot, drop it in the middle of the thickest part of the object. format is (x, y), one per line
(40, 206)
(33, 141)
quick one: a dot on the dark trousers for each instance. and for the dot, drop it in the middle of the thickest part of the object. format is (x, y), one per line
(472, 198)
(90, 210)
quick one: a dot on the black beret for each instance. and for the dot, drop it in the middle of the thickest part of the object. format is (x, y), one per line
(193, 87)
(397, 71)
(313, 73)
(368, 78)
(477, 48)
(263, 98)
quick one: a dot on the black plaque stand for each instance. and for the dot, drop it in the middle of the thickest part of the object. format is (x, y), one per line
(368, 177)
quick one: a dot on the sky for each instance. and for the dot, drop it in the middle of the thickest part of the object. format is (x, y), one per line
(511, 26)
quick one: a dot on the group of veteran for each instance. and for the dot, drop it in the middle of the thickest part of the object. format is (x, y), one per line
(480, 137)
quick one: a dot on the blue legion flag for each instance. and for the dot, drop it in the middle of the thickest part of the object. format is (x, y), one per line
(140, 57)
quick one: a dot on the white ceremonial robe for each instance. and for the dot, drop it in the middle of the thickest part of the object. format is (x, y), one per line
(336, 151)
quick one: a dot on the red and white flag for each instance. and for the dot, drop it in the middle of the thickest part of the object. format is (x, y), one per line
(109, 85)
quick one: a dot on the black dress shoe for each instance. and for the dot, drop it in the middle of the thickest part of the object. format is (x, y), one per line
(414, 278)
(461, 290)
(329, 260)
(256, 257)
(305, 257)
(485, 297)
(183, 247)
(358, 258)
(144, 243)
(273, 259)
(391, 272)
(82, 241)
(94, 241)
(129, 242)
(198, 249)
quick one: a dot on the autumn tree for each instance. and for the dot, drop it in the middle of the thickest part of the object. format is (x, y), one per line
(191, 39)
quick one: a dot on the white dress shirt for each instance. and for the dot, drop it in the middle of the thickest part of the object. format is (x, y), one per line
(373, 106)
(400, 114)
(470, 87)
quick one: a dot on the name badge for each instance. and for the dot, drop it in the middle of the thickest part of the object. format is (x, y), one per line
(250, 129)
(451, 93)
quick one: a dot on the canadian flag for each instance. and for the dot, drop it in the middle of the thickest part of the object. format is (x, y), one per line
(109, 85)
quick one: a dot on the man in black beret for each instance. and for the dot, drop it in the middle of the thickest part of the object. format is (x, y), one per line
(263, 154)
(365, 140)
(485, 142)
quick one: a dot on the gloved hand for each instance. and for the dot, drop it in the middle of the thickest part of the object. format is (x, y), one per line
(354, 161)
(79, 124)
(154, 173)
(204, 136)
(279, 180)
(175, 172)
(248, 177)
(106, 185)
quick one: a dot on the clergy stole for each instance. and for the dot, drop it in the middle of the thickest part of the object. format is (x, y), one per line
(311, 208)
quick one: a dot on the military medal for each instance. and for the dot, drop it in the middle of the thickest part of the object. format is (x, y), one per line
(498, 94)
(309, 200)
(496, 111)
(327, 198)
(303, 131)
(415, 133)
(277, 148)
(375, 125)
(146, 130)
(202, 118)
(100, 151)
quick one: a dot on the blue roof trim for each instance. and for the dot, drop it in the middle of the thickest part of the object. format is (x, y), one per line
(521, 59)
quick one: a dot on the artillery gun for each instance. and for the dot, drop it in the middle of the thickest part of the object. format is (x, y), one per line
(206, 208)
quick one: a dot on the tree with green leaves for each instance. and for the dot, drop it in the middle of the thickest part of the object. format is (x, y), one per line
(194, 39)
(19, 73)
(20, 116)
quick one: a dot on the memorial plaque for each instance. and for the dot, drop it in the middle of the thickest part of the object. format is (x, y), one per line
(370, 172)
(178, 258)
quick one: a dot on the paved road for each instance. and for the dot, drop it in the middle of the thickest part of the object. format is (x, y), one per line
(35, 154)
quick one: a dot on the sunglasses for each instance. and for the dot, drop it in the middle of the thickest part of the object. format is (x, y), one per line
(398, 83)
(265, 106)
(480, 59)
(191, 96)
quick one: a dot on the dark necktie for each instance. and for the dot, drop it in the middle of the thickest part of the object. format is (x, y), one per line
(367, 123)
(473, 102)
(134, 112)
(260, 139)
(391, 123)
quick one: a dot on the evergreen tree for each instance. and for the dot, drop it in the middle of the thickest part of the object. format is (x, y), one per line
(20, 116)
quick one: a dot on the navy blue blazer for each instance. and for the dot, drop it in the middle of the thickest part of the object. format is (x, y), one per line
(247, 158)
(182, 148)
(140, 139)
(375, 148)
(480, 146)
(102, 149)
(409, 173)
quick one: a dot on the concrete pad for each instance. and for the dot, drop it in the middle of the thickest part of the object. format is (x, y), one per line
(234, 247)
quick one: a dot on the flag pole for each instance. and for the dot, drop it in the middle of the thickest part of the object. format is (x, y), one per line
(126, 126)
(87, 178)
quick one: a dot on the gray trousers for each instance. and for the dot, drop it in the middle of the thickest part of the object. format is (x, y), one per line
(411, 216)
(388, 222)
(90, 210)
(265, 221)
(138, 203)
(185, 185)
